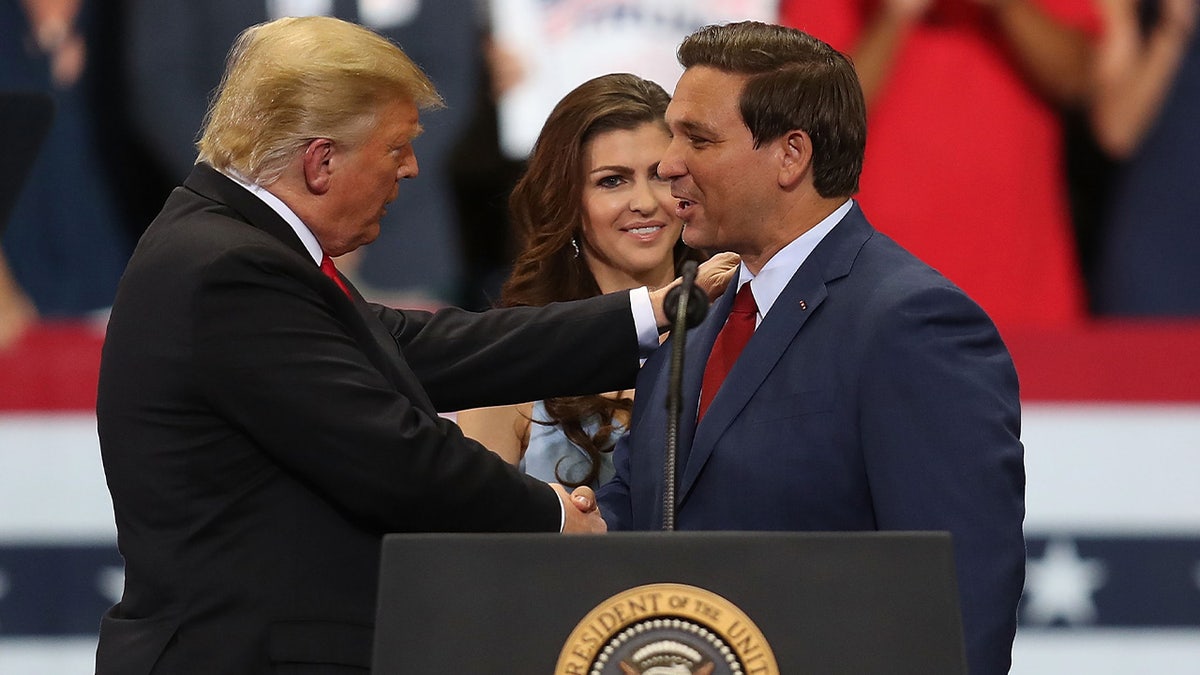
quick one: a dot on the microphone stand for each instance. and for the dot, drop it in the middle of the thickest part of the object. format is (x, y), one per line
(688, 304)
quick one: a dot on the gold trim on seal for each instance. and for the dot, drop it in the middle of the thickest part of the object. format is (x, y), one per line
(661, 606)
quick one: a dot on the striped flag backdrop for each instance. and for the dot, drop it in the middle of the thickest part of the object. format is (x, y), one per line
(1112, 436)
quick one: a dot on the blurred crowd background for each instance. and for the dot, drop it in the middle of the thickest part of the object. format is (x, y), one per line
(1038, 152)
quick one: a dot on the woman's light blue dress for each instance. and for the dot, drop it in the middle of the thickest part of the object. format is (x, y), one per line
(550, 450)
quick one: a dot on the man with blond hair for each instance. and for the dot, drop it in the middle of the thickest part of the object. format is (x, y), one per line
(261, 425)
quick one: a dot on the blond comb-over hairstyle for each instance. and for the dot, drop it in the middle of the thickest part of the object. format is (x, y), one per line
(293, 80)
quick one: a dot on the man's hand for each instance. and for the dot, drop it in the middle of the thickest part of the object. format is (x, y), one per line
(712, 277)
(714, 274)
(583, 514)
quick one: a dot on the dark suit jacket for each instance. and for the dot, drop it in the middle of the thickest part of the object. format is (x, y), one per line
(875, 395)
(260, 433)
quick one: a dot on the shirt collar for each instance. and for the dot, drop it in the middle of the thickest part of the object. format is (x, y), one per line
(779, 270)
(289, 216)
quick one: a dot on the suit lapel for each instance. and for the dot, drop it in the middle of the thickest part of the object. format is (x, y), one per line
(700, 343)
(799, 300)
(650, 437)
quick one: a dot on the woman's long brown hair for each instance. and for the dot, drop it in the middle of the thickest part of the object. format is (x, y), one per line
(546, 209)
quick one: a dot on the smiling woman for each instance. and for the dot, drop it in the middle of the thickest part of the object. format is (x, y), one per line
(629, 227)
(594, 217)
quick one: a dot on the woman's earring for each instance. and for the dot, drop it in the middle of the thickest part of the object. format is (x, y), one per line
(575, 245)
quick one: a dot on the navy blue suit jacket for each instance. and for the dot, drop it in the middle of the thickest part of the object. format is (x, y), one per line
(875, 395)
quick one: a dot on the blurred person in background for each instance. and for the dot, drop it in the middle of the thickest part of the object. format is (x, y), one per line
(66, 241)
(16, 309)
(965, 166)
(1146, 115)
(482, 177)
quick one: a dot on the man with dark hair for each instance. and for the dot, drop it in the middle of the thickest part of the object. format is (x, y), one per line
(871, 393)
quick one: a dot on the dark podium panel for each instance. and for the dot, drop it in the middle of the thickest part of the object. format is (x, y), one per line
(826, 603)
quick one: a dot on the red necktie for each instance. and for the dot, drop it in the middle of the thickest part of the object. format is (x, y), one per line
(331, 272)
(730, 341)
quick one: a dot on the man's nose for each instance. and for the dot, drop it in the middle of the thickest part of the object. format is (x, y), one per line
(644, 200)
(671, 165)
(408, 168)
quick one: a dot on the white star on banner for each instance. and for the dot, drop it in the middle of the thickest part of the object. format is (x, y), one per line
(1060, 585)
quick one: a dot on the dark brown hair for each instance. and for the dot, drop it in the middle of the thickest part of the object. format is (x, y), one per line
(795, 81)
(546, 209)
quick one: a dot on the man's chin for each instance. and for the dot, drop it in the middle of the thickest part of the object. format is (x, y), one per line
(695, 237)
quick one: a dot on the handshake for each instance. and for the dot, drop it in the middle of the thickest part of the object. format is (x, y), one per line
(582, 512)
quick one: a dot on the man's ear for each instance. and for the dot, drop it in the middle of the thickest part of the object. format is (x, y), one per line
(318, 155)
(796, 158)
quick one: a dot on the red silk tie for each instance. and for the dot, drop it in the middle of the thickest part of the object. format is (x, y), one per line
(730, 341)
(331, 272)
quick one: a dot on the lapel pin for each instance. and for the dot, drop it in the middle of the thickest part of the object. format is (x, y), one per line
(803, 306)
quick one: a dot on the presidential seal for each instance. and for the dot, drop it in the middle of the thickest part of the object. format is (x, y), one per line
(666, 629)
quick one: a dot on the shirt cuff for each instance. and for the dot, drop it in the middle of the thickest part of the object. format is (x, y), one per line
(643, 320)
(562, 509)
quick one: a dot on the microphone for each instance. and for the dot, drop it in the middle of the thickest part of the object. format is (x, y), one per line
(688, 304)
(693, 300)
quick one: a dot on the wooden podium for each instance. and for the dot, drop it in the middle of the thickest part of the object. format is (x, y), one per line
(867, 603)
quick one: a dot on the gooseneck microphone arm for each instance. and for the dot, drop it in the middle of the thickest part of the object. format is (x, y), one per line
(688, 305)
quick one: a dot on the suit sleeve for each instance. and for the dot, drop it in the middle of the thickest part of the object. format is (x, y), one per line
(518, 354)
(279, 365)
(940, 435)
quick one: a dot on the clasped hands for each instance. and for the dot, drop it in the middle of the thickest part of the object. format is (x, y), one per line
(583, 514)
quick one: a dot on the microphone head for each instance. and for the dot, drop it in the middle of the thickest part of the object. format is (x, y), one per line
(697, 303)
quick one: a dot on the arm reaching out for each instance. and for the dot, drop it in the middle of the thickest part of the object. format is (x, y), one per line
(1134, 73)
